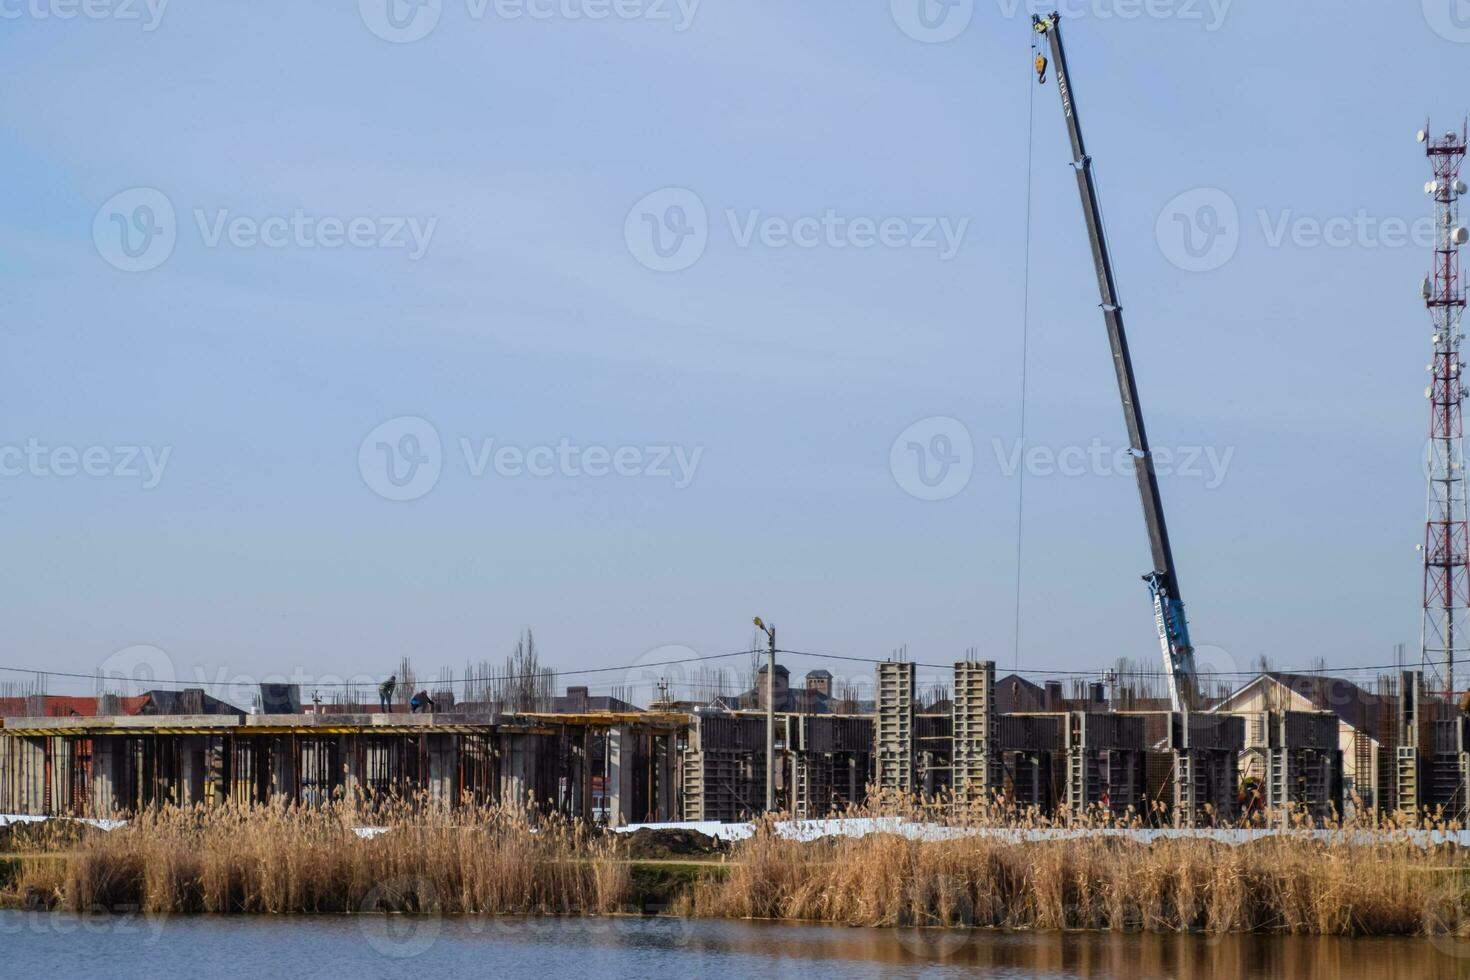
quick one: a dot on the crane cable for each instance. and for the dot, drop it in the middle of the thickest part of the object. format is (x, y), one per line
(1025, 339)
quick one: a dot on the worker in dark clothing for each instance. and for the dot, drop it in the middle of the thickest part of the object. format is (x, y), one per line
(385, 693)
(421, 702)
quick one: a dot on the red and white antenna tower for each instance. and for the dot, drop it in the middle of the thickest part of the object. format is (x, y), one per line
(1446, 626)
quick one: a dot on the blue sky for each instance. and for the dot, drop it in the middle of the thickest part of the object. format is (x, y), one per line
(521, 147)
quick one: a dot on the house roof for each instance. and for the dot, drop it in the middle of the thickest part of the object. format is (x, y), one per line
(1014, 693)
(65, 706)
(1353, 706)
(190, 701)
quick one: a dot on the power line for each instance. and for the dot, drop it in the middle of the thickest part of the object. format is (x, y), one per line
(349, 684)
(1322, 672)
(1316, 671)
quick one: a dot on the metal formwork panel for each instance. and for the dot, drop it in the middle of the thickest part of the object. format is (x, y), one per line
(1306, 778)
(1104, 731)
(1309, 730)
(1205, 782)
(895, 727)
(1030, 733)
(1407, 779)
(723, 785)
(812, 785)
(975, 754)
(1028, 779)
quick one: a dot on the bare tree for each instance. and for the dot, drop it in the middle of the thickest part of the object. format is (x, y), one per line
(524, 685)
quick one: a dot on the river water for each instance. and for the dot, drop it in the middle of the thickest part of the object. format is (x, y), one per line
(50, 945)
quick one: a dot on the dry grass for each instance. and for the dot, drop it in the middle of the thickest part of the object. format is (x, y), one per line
(281, 858)
(1288, 883)
(500, 860)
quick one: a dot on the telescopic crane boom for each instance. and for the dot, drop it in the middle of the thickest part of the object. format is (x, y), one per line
(1163, 581)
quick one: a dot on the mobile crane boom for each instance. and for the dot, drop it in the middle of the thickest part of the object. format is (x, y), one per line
(1163, 582)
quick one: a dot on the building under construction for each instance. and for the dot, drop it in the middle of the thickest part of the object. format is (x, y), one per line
(1266, 748)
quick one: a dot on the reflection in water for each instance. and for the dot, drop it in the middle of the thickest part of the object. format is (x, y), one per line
(231, 947)
(1135, 956)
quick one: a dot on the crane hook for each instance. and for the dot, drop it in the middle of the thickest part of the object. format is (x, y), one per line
(1041, 64)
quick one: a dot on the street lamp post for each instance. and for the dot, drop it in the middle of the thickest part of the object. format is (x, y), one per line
(770, 632)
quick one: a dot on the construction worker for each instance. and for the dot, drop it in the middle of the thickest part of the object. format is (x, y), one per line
(421, 702)
(385, 693)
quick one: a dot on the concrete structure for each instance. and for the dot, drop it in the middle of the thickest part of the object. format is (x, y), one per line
(706, 764)
(117, 764)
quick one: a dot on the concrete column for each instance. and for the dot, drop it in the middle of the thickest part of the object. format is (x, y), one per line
(8, 794)
(351, 770)
(668, 768)
(517, 767)
(104, 776)
(193, 764)
(283, 766)
(584, 776)
(620, 764)
(443, 756)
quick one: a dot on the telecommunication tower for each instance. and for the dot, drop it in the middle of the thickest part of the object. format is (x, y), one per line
(1446, 549)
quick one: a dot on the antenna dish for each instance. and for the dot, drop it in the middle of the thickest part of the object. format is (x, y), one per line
(1423, 136)
(1460, 236)
(1431, 186)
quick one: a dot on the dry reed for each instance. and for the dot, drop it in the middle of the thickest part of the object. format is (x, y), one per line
(283, 858)
(497, 860)
(1383, 883)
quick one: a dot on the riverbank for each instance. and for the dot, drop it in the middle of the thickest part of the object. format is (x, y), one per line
(492, 861)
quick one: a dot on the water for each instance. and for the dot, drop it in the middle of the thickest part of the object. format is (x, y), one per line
(361, 948)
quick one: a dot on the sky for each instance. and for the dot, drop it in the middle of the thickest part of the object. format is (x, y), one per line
(341, 332)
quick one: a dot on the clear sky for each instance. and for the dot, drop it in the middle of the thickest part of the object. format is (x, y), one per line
(252, 254)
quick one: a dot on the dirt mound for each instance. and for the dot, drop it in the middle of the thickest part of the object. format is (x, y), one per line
(649, 844)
